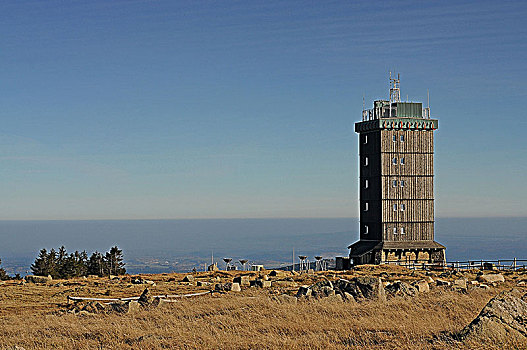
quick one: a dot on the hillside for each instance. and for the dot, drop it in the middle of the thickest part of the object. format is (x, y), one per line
(38, 315)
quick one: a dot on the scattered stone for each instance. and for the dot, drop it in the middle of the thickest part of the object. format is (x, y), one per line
(133, 307)
(38, 279)
(146, 298)
(460, 284)
(202, 283)
(119, 306)
(151, 283)
(402, 289)
(310, 272)
(94, 307)
(261, 283)
(484, 286)
(137, 281)
(491, 278)
(371, 287)
(422, 286)
(322, 289)
(474, 283)
(441, 282)
(504, 316)
(235, 287)
(348, 297)
(429, 279)
(242, 280)
(112, 277)
(188, 278)
(304, 291)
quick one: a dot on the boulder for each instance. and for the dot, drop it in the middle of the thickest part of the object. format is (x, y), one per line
(460, 284)
(242, 280)
(441, 282)
(304, 291)
(401, 289)
(343, 286)
(322, 289)
(504, 317)
(235, 287)
(146, 298)
(273, 273)
(348, 297)
(202, 283)
(188, 278)
(371, 287)
(94, 307)
(334, 298)
(133, 307)
(119, 306)
(38, 279)
(421, 286)
(261, 283)
(491, 278)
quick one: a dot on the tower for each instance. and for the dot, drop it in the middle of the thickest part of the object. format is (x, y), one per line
(396, 179)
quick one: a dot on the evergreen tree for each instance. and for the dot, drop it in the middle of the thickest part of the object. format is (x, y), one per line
(96, 265)
(114, 261)
(40, 266)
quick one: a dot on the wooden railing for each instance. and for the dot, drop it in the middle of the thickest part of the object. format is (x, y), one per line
(500, 264)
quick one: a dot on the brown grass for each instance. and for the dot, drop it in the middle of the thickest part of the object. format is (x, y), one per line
(251, 319)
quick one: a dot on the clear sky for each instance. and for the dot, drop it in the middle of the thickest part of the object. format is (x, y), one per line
(199, 109)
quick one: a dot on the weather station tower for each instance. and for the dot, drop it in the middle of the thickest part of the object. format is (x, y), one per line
(396, 179)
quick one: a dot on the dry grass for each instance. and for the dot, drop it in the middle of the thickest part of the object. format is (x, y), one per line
(247, 320)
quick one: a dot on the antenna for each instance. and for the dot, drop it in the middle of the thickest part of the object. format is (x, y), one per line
(293, 260)
(227, 263)
(243, 262)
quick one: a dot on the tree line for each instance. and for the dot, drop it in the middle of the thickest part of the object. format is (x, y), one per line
(60, 264)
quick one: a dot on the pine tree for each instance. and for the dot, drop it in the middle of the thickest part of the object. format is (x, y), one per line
(114, 261)
(45, 264)
(96, 265)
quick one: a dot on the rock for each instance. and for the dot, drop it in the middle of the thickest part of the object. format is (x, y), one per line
(137, 281)
(151, 283)
(282, 283)
(483, 286)
(94, 307)
(429, 279)
(146, 298)
(38, 279)
(266, 284)
(112, 277)
(227, 287)
(133, 307)
(401, 289)
(348, 297)
(84, 313)
(273, 273)
(285, 299)
(202, 284)
(371, 287)
(322, 289)
(242, 280)
(491, 278)
(440, 282)
(422, 286)
(235, 287)
(304, 291)
(504, 317)
(188, 278)
(310, 272)
(343, 286)
(261, 283)
(460, 284)
(119, 306)
(474, 283)
(334, 298)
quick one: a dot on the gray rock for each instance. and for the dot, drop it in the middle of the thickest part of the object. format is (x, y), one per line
(491, 278)
(460, 283)
(342, 286)
(242, 280)
(202, 283)
(504, 316)
(304, 291)
(334, 298)
(235, 287)
(401, 289)
(188, 278)
(441, 282)
(371, 287)
(133, 307)
(422, 286)
(119, 306)
(146, 298)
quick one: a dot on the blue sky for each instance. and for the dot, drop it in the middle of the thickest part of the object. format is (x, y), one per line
(199, 109)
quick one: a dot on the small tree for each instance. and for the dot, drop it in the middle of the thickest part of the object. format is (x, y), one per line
(45, 264)
(96, 265)
(3, 275)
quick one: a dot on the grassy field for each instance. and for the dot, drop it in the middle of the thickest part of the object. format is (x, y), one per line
(35, 317)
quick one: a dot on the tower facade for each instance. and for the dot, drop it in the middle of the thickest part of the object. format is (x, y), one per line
(396, 152)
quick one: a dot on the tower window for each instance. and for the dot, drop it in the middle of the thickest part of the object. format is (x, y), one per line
(366, 229)
(394, 160)
(395, 207)
(366, 207)
(365, 161)
(402, 230)
(394, 138)
(402, 183)
(403, 207)
(395, 230)
(402, 161)
(366, 183)
(394, 183)
(402, 138)
(365, 139)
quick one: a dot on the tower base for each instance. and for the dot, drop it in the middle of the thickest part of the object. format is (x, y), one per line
(400, 253)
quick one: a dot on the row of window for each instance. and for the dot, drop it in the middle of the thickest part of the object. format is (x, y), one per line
(394, 229)
(394, 138)
(401, 207)
(394, 161)
(395, 183)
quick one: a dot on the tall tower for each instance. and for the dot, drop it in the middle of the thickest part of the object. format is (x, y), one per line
(396, 151)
